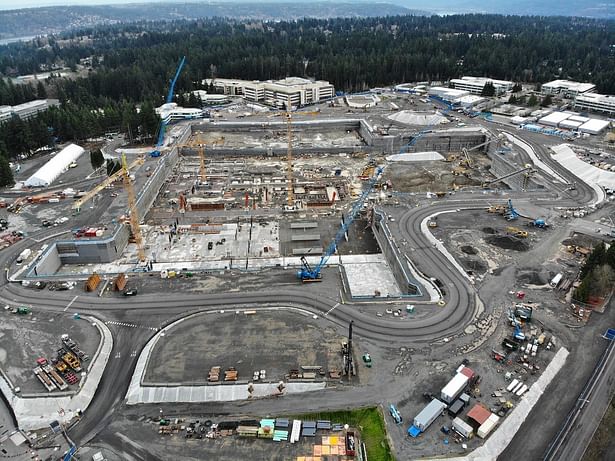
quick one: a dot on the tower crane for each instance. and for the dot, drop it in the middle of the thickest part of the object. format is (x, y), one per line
(163, 123)
(108, 181)
(132, 209)
(309, 274)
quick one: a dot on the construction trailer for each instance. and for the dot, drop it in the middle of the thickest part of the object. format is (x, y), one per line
(462, 428)
(426, 417)
(454, 387)
(485, 429)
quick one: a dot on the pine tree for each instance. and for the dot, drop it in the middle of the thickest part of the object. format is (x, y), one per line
(96, 158)
(547, 101)
(6, 174)
(532, 101)
(488, 90)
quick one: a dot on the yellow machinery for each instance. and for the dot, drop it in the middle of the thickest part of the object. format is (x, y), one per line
(132, 208)
(517, 232)
(110, 180)
(200, 146)
(289, 159)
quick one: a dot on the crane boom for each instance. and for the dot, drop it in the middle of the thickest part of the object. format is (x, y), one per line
(132, 208)
(109, 180)
(307, 274)
(163, 125)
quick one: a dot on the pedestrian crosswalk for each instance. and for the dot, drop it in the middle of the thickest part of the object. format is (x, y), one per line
(130, 325)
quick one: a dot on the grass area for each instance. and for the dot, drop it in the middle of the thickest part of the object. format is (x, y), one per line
(601, 445)
(369, 421)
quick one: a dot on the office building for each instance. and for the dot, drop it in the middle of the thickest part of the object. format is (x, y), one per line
(567, 88)
(595, 102)
(288, 92)
(475, 85)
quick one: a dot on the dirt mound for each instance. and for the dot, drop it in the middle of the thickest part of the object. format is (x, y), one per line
(489, 230)
(467, 249)
(507, 242)
(476, 266)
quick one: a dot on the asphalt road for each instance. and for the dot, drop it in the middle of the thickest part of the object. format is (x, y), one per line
(452, 318)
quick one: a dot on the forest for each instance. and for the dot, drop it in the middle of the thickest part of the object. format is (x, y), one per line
(132, 63)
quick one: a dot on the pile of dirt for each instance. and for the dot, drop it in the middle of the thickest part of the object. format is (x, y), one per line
(508, 242)
(476, 266)
(489, 230)
(467, 249)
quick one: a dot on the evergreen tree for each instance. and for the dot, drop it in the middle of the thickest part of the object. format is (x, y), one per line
(517, 88)
(6, 174)
(596, 258)
(41, 92)
(96, 158)
(512, 99)
(113, 167)
(532, 101)
(547, 101)
(488, 90)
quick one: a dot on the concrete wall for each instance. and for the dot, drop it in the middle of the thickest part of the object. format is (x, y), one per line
(501, 166)
(445, 141)
(407, 284)
(110, 248)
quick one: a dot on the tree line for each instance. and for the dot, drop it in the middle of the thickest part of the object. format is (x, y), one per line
(131, 64)
(597, 274)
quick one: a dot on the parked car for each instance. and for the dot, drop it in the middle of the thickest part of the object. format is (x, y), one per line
(131, 292)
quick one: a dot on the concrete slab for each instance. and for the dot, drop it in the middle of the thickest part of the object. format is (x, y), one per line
(365, 279)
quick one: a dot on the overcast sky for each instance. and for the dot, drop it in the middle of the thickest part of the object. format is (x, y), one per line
(15, 4)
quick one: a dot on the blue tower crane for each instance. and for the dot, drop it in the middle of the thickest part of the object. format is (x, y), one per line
(163, 124)
(309, 274)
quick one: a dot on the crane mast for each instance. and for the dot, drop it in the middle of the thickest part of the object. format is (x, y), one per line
(289, 159)
(132, 209)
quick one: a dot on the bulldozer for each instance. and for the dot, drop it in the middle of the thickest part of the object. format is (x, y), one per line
(517, 232)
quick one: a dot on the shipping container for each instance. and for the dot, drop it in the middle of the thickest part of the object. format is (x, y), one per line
(512, 385)
(429, 414)
(462, 428)
(485, 429)
(454, 387)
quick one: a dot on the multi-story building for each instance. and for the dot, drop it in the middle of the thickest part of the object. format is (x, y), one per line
(595, 102)
(475, 85)
(170, 112)
(288, 92)
(567, 88)
(27, 109)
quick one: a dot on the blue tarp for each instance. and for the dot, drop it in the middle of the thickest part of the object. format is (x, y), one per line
(414, 431)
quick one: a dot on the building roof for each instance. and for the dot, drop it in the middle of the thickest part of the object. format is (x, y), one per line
(554, 118)
(570, 85)
(48, 173)
(479, 413)
(594, 125)
(467, 371)
(596, 98)
(469, 80)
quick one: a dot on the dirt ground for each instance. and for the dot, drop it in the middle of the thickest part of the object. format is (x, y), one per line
(26, 338)
(276, 341)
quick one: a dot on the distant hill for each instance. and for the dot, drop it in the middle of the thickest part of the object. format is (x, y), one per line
(53, 19)
(588, 8)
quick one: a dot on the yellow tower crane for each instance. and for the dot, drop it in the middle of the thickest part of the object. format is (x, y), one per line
(289, 160)
(132, 209)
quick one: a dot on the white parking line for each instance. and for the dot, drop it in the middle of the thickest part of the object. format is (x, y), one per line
(70, 303)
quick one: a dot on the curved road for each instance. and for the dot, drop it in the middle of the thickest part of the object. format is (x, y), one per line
(452, 318)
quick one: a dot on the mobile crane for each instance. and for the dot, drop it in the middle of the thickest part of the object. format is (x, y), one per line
(309, 274)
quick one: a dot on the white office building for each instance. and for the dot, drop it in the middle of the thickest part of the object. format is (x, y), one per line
(288, 92)
(596, 103)
(475, 85)
(171, 112)
(27, 109)
(567, 88)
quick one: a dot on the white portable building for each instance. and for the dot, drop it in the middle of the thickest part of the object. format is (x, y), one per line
(485, 429)
(460, 426)
(49, 172)
(594, 126)
(454, 388)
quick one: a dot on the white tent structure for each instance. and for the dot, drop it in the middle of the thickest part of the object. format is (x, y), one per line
(49, 172)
